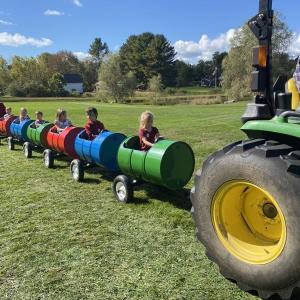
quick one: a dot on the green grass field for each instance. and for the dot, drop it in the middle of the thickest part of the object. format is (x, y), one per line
(63, 240)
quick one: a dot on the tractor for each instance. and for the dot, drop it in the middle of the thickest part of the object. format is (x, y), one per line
(246, 198)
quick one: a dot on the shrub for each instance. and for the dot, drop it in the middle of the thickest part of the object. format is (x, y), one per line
(74, 94)
(170, 91)
(156, 88)
(16, 90)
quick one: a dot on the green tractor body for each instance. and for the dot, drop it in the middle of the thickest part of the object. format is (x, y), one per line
(280, 128)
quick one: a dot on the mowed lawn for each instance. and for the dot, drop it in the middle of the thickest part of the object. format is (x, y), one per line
(64, 240)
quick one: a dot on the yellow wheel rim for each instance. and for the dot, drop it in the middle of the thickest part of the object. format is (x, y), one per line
(249, 222)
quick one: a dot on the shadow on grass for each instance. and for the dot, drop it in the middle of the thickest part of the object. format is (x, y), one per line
(139, 201)
(37, 158)
(92, 181)
(60, 167)
(179, 198)
(16, 150)
(104, 174)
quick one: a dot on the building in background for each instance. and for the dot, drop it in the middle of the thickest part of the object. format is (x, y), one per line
(74, 83)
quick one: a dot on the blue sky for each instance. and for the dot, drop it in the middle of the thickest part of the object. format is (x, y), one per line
(196, 27)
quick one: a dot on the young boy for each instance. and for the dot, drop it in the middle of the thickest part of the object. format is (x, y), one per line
(147, 133)
(93, 127)
(39, 119)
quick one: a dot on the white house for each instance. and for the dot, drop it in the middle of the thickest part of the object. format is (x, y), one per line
(74, 83)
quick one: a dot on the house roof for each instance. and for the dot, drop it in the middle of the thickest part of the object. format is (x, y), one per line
(72, 78)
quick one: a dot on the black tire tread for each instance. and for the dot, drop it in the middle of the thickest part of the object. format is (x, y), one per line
(268, 149)
(79, 164)
(128, 185)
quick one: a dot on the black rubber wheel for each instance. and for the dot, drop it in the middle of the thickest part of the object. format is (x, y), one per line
(48, 158)
(77, 170)
(27, 149)
(275, 168)
(123, 189)
(10, 143)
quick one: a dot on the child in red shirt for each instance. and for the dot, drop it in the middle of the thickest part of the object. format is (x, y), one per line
(93, 127)
(147, 133)
(2, 110)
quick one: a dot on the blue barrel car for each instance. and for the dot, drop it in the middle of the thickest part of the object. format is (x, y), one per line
(18, 132)
(101, 151)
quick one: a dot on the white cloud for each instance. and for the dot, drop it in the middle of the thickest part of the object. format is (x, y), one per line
(16, 40)
(191, 51)
(53, 12)
(2, 22)
(82, 55)
(77, 3)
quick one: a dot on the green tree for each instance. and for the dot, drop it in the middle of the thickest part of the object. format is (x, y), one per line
(147, 55)
(63, 62)
(98, 50)
(237, 66)
(204, 70)
(29, 77)
(218, 58)
(113, 83)
(184, 73)
(89, 72)
(283, 65)
(56, 85)
(4, 76)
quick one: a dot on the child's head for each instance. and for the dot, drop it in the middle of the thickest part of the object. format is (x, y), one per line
(61, 115)
(39, 115)
(146, 119)
(8, 110)
(91, 113)
(23, 112)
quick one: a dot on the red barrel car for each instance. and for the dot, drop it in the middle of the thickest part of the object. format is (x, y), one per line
(63, 142)
(5, 126)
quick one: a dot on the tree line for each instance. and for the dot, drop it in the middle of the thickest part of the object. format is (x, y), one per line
(140, 58)
(143, 61)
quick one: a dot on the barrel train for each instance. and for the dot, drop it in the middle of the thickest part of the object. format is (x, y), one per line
(168, 163)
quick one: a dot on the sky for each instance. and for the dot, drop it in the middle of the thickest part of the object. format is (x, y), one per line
(196, 28)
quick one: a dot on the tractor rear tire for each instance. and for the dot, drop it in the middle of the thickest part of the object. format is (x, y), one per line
(247, 213)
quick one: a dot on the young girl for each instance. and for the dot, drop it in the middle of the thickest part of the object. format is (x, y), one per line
(147, 133)
(39, 119)
(92, 127)
(8, 113)
(61, 122)
(23, 115)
